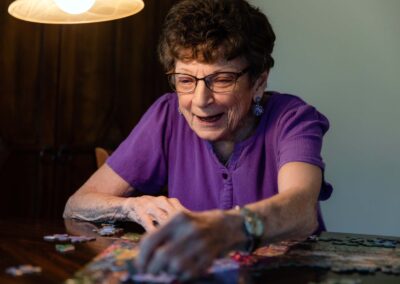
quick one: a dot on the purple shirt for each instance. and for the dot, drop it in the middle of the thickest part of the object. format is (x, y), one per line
(163, 150)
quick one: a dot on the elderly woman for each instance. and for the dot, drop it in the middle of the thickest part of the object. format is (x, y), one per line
(219, 142)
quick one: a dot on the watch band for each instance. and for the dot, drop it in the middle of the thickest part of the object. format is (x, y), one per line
(253, 227)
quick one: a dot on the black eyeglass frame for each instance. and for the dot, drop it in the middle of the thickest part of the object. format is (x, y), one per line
(206, 80)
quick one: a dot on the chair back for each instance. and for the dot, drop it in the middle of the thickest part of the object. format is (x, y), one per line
(101, 156)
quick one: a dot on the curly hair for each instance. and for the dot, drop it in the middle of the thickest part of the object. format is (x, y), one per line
(210, 30)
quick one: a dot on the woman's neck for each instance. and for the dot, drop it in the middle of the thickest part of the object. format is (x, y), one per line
(224, 148)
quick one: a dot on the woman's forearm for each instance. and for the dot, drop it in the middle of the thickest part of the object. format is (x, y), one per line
(149, 211)
(291, 214)
(95, 206)
(102, 197)
(288, 215)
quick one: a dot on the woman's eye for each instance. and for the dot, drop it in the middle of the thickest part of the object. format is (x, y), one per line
(224, 80)
(184, 80)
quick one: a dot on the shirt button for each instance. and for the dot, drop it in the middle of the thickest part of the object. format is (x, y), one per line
(224, 175)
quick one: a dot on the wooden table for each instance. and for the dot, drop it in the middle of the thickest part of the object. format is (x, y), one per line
(21, 242)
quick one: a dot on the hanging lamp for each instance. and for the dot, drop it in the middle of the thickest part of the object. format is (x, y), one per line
(73, 11)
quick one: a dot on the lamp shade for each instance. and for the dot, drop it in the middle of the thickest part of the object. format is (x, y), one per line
(48, 12)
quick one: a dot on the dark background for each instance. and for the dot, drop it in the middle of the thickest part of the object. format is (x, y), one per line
(65, 89)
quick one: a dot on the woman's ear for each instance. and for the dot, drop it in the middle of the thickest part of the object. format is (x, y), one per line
(261, 84)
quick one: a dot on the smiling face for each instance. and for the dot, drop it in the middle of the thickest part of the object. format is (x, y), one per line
(216, 116)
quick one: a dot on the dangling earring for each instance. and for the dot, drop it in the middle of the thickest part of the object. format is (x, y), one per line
(257, 108)
(179, 111)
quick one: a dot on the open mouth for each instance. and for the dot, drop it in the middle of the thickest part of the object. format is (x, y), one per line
(212, 118)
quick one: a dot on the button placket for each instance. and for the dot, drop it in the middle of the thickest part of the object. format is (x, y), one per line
(227, 191)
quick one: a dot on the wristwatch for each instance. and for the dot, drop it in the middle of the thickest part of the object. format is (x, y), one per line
(253, 227)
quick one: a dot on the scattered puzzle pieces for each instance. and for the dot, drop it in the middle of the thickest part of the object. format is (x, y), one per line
(23, 269)
(134, 237)
(68, 238)
(108, 230)
(243, 259)
(57, 237)
(64, 247)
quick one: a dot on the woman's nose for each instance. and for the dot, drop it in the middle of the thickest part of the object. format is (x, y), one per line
(202, 95)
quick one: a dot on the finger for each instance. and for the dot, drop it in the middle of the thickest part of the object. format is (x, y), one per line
(177, 205)
(191, 260)
(157, 249)
(158, 215)
(185, 246)
(147, 222)
(149, 245)
(199, 268)
(165, 204)
(194, 250)
(159, 261)
(138, 214)
(171, 205)
(165, 255)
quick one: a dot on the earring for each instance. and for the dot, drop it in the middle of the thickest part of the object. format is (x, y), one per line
(179, 111)
(257, 108)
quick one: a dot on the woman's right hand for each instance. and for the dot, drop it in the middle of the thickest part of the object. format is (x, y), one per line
(150, 211)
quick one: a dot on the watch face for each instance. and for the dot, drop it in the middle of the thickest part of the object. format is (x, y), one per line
(253, 223)
(259, 227)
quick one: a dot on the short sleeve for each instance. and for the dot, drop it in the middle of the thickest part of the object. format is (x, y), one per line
(301, 131)
(141, 158)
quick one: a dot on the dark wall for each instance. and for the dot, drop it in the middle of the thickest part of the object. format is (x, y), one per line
(65, 89)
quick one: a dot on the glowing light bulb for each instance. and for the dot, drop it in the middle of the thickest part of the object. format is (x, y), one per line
(75, 6)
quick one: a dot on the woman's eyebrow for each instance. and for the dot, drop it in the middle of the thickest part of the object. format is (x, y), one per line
(220, 70)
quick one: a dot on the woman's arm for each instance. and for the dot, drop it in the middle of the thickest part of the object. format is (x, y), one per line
(105, 197)
(187, 245)
(291, 214)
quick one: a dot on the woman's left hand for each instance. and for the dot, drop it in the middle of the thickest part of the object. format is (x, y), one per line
(188, 244)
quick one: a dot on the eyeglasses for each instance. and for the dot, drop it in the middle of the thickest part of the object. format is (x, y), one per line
(220, 82)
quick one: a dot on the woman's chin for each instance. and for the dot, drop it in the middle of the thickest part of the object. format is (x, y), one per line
(209, 130)
(210, 135)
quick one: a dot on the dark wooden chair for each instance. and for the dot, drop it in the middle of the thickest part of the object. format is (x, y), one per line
(101, 156)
